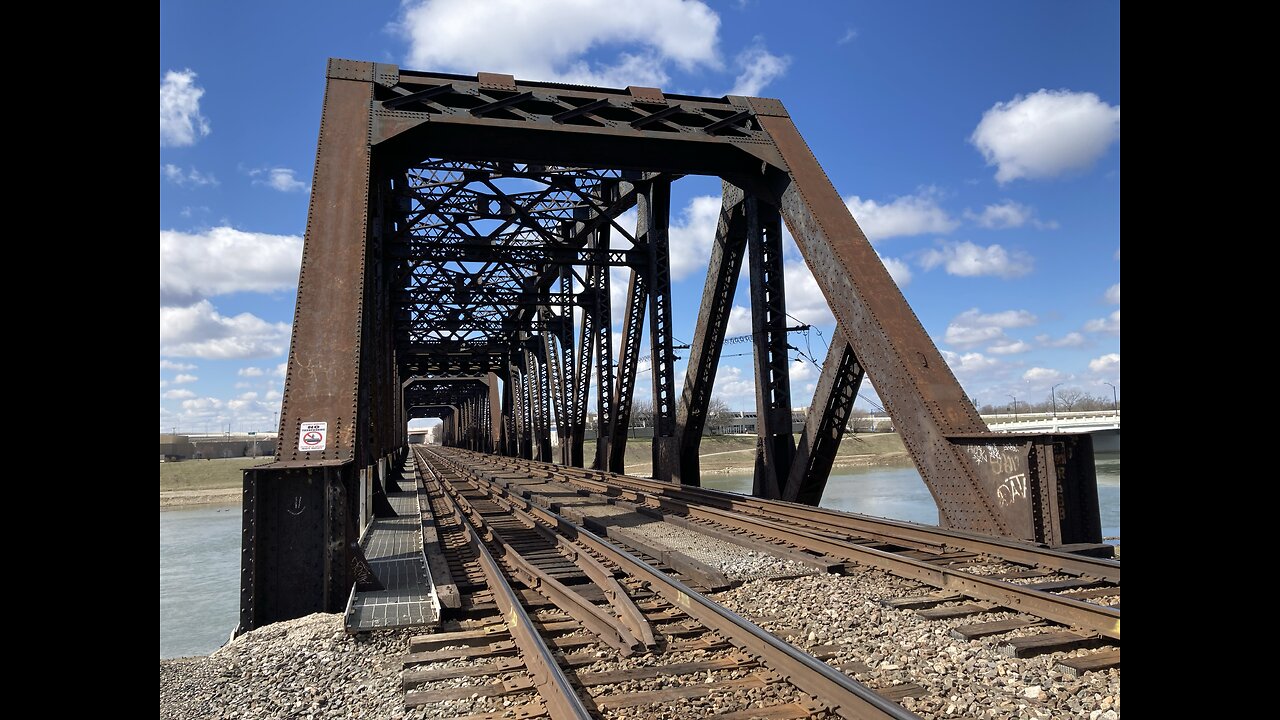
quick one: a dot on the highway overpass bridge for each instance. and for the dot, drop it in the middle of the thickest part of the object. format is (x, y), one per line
(1104, 426)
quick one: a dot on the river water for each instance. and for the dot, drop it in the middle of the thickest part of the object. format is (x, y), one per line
(200, 548)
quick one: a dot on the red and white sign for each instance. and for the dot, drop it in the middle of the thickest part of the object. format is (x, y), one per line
(313, 436)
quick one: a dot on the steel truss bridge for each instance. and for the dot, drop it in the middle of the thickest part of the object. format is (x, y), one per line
(457, 260)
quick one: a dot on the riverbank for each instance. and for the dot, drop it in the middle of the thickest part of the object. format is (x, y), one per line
(309, 667)
(190, 498)
(735, 454)
(204, 482)
(215, 482)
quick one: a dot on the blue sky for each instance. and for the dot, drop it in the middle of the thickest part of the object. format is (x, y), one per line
(977, 144)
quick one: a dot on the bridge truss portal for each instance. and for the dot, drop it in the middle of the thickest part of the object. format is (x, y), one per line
(457, 264)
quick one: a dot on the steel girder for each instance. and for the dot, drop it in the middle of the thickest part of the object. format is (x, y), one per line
(708, 337)
(826, 422)
(444, 210)
(775, 447)
(628, 367)
(654, 212)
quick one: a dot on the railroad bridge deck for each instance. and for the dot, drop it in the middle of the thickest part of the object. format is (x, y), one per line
(551, 569)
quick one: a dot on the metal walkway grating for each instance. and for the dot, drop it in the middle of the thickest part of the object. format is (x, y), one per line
(393, 547)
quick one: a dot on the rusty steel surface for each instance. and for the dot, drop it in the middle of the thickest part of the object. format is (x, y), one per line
(460, 227)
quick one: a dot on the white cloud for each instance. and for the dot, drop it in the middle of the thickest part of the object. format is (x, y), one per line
(735, 387)
(1001, 216)
(969, 260)
(181, 123)
(1109, 363)
(183, 178)
(282, 179)
(1109, 324)
(205, 404)
(904, 215)
(739, 321)
(1009, 347)
(1046, 133)
(184, 378)
(178, 394)
(1113, 294)
(199, 330)
(250, 372)
(800, 371)
(968, 336)
(170, 365)
(969, 364)
(281, 369)
(691, 235)
(805, 300)
(1042, 375)
(898, 270)
(758, 67)
(1071, 339)
(547, 40)
(849, 36)
(973, 327)
(225, 260)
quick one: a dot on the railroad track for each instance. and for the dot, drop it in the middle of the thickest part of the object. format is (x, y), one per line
(568, 624)
(1069, 600)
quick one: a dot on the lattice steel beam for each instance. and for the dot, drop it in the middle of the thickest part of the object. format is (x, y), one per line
(708, 336)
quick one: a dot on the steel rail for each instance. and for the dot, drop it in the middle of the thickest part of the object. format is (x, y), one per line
(843, 695)
(931, 539)
(1090, 617)
(558, 695)
(618, 637)
(897, 531)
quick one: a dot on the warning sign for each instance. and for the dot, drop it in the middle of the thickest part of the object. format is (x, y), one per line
(312, 437)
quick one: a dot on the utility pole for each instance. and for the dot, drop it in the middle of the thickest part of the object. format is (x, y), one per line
(1115, 400)
(1015, 407)
(1054, 400)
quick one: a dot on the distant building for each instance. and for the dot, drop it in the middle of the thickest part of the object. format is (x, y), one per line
(208, 447)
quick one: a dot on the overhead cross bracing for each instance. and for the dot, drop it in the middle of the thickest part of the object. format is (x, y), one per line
(460, 240)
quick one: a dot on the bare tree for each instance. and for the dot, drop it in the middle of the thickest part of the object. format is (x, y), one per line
(717, 415)
(1069, 398)
(641, 413)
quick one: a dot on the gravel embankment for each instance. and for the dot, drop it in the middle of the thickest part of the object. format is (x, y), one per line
(963, 679)
(304, 668)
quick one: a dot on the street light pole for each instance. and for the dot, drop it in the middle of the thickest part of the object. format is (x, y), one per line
(1115, 402)
(1054, 400)
(1015, 407)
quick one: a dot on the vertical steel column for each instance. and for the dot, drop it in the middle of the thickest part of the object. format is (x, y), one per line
(540, 405)
(492, 406)
(588, 302)
(628, 359)
(826, 423)
(555, 376)
(510, 445)
(524, 430)
(662, 355)
(568, 427)
(304, 562)
(606, 408)
(708, 337)
(532, 385)
(777, 447)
